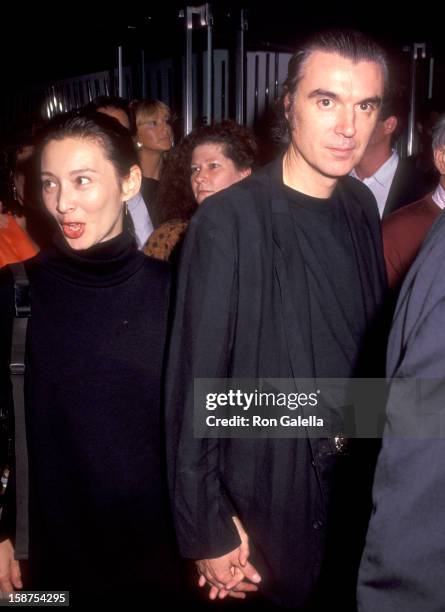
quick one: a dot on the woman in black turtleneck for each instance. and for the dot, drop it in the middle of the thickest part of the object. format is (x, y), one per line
(98, 517)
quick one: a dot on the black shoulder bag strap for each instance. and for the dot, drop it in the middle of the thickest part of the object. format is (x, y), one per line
(17, 370)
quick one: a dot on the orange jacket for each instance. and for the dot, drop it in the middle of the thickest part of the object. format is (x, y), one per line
(15, 245)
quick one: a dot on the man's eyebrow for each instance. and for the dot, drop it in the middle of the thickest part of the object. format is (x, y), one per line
(376, 100)
(324, 93)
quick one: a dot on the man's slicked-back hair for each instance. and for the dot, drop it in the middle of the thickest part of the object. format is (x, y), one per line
(349, 44)
(113, 102)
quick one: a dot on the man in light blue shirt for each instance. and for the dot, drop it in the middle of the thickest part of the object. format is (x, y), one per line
(380, 181)
(394, 182)
(143, 225)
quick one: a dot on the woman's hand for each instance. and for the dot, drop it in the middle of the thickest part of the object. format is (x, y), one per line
(10, 575)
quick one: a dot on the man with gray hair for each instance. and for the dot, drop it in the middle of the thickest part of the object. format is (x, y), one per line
(403, 564)
(405, 230)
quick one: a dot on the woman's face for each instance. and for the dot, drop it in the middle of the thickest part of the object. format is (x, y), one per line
(155, 132)
(212, 171)
(82, 191)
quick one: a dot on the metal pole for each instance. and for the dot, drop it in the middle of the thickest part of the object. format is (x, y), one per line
(209, 64)
(144, 86)
(240, 70)
(188, 97)
(431, 79)
(412, 112)
(204, 12)
(120, 72)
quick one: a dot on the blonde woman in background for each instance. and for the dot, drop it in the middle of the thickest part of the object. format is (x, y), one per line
(154, 139)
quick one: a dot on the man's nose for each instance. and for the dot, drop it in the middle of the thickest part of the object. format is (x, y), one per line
(346, 122)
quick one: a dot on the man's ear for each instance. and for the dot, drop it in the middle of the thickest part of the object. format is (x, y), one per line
(131, 184)
(390, 125)
(439, 159)
(289, 111)
(246, 172)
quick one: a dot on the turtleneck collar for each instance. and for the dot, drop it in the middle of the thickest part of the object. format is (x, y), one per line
(104, 264)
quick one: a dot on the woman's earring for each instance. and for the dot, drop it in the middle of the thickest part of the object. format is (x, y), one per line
(125, 209)
(14, 192)
(139, 145)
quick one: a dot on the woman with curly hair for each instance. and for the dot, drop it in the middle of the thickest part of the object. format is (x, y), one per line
(209, 159)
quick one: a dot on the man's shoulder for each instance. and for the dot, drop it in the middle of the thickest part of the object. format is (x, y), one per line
(430, 263)
(247, 198)
(436, 238)
(358, 196)
(258, 183)
(410, 173)
(423, 210)
(409, 165)
(352, 186)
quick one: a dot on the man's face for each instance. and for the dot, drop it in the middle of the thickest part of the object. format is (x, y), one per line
(439, 162)
(334, 111)
(382, 132)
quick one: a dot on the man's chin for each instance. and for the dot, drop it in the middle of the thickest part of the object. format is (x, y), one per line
(339, 168)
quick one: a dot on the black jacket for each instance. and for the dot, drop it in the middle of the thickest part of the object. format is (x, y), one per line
(409, 185)
(404, 559)
(242, 311)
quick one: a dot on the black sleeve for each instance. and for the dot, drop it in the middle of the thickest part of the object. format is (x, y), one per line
(403, 563)
(205, 311)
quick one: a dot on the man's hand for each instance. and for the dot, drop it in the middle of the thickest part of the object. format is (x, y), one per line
(227, 574)
(10, 576)
(237, 592)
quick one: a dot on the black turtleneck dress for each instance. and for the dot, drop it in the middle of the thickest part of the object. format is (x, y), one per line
(99, 521)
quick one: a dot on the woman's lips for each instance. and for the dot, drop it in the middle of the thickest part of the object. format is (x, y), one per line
(73, 230)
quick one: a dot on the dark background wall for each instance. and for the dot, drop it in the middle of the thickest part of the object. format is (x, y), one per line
(41, 46)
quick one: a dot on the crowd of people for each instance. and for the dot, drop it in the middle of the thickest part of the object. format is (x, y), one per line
(149, 265)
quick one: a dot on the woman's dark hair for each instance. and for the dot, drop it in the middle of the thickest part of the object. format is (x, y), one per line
(175, 195)
(91, 125)
(349, 44)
